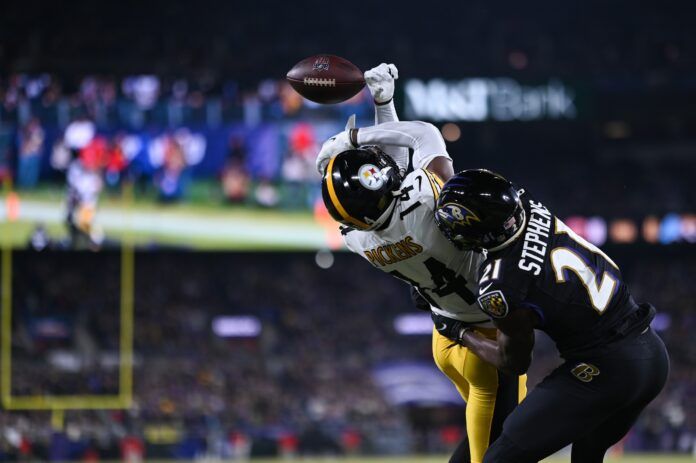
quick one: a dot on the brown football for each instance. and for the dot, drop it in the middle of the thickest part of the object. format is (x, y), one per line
(326, 79)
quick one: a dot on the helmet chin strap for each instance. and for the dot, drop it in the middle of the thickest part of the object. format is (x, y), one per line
(382, 218)
(387, 213)
(517, 234)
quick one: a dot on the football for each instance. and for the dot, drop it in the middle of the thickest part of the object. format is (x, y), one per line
(326, 79)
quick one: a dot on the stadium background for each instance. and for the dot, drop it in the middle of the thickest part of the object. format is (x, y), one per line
(220, 316)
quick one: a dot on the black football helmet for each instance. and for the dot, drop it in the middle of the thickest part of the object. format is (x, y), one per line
(479, 209)
(359, 187)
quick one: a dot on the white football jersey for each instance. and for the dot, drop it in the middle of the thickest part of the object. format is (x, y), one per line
(412, 249)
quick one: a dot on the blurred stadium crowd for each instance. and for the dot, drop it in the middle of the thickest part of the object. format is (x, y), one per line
(304, 384)
(168, 98)
(260, 146)
(475, 38)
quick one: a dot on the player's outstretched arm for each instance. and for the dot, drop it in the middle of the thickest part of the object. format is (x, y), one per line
(380, 81)
(512, 352)
(429, 149)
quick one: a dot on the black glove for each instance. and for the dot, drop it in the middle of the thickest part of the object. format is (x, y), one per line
(449, 327)
(419, 301)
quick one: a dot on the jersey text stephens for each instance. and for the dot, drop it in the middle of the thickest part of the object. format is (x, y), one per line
(534, 248)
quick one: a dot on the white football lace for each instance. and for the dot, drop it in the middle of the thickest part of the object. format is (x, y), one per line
(319, 82)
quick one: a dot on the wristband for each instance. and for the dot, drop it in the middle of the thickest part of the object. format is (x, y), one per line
(462, 331)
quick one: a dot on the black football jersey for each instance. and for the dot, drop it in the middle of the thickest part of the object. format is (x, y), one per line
(574, 287)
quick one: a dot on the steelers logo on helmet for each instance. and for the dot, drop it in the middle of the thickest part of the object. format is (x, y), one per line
(359, 187)
(371, 177)
(453, 214)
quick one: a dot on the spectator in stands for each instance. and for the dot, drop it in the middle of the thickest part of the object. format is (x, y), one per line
(234, 178)
(31, 145)
(171, 179)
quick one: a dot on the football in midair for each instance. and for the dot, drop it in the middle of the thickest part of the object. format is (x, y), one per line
(326, 79)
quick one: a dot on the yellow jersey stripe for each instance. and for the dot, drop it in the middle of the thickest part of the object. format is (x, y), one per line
(522, 388)
(334, 198)
(433, 184)
(438, 180)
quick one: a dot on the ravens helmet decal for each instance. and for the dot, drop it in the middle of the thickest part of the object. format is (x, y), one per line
(452, 214)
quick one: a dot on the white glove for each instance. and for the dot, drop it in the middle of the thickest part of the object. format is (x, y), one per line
(380, 81)
(335, 145)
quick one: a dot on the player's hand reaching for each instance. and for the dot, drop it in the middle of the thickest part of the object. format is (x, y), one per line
(450, 328)
(380, 81)
(335, 145)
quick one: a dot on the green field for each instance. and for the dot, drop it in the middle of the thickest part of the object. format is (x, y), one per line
(195, 224)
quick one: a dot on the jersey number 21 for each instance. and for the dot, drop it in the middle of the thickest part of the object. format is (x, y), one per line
(562, 259)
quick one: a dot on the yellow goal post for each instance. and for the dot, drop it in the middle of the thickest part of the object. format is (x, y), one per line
(59, 404)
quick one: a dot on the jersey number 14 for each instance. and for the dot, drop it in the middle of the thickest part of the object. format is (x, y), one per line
(445, 279)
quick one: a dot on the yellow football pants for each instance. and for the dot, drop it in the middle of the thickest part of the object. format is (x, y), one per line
(478, 383)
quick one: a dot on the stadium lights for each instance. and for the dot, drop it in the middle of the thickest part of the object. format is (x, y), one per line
(413, 324)
(672, 228)
(236, 326)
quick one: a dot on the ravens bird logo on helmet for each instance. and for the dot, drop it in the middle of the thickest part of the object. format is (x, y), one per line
(455, 214)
